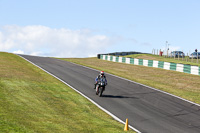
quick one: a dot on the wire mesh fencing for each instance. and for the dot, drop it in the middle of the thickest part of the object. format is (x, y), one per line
(193, 57)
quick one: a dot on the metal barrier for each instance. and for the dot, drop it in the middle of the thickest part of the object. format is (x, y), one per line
(152, 63)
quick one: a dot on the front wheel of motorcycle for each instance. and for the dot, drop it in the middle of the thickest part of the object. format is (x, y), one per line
(97, 91)
(100, 91)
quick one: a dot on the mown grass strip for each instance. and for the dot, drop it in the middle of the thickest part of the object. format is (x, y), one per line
(33, 101)
(180, 84)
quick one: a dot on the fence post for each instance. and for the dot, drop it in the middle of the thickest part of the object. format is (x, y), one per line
(187, 57)
(174, 55)
(182, 55)
(178, 55)
(192, 57)
(167, 52)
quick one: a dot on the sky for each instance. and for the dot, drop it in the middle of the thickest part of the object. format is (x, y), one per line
(85, 28)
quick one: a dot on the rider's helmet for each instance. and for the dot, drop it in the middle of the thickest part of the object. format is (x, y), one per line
(102, 73)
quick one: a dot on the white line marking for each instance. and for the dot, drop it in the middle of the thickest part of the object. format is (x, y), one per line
(143, 85)
(109, 113)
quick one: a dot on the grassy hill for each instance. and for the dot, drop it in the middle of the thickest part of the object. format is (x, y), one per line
(33, 101)
(180, 84)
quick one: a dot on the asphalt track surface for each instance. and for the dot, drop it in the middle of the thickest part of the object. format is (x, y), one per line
(148, 110)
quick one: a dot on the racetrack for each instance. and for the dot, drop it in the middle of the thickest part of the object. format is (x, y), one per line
(147, 110)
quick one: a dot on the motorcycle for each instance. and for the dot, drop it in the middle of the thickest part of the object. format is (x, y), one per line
(100, 87)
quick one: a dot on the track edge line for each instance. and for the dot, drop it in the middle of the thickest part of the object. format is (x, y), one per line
(106, 111)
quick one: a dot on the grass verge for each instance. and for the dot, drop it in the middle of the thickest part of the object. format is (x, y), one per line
(180, 84)
(33, 101)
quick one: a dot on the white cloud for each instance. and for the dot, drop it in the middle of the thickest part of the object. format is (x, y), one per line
(45, 41)
(18, 52)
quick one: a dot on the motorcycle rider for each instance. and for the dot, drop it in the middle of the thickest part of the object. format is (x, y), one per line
(101, 75)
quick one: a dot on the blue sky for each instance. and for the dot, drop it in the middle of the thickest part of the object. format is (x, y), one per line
(83, 28)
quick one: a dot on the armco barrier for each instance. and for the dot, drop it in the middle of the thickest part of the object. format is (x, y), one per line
(152, 63)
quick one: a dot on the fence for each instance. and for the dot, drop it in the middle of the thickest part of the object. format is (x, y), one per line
(156, 64)
(121, 53)
(188, 57)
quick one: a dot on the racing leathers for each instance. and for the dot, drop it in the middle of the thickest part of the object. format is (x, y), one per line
(98, 78)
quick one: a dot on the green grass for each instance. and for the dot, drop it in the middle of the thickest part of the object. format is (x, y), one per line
(162, 58)
(180, 84)
(33, 101)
